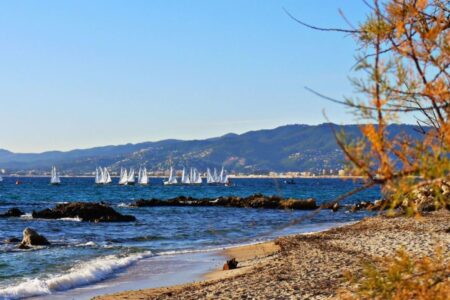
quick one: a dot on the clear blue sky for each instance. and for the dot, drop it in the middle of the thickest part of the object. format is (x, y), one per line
(77, 74)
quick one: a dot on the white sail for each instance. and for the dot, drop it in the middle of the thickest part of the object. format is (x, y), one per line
(172, 178)
(209, 177)
(106, 176)
(98, 176)
(123, 176)
(223, 176)
(139, 174)
(142, 176)
(131, 178)
(185, 177)
(54, 177)
(101, 176)
(215, 176)
(196, 178)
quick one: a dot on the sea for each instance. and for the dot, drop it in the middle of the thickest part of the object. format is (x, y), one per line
(83, 254)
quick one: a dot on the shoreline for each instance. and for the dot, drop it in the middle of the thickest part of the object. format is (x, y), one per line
(307, 265)
(173, 268)
(115, 273)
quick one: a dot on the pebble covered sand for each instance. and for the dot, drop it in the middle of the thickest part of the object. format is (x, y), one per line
(310, 266)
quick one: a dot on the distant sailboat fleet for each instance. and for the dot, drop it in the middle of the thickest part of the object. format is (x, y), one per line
(214, 178)
(127, 177)
(187, 178)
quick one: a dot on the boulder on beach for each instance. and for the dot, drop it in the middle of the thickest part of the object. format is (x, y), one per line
(12, 212)
(230, 264)
(86, 211)
(32, 238)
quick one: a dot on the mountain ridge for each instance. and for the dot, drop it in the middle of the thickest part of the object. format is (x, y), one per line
(293, 147)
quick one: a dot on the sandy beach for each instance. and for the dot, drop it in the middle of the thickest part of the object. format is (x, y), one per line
(309, 266)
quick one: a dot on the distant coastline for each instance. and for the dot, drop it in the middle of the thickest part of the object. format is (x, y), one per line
(250, 176)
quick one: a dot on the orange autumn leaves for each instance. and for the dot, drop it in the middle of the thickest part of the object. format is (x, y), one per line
(404, 59)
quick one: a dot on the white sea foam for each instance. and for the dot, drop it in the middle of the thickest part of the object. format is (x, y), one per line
(27, 216)
(123, 205)
(81, 274)
(76, 219)
(87, 244)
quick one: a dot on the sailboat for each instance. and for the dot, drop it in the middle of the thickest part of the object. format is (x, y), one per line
(123, 176)
(223, 178)
(55, 180)
(131, 178)
(172, 178)
(216, 176)
(209, 177)
(142, 176)
(185, 177)
(195, 176)
(98, 175)
(106, 176)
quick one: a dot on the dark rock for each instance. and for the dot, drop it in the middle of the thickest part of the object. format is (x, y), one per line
(91, 212)
(254, 201)
(378, 205)
(12, 240)
(230, 264)
(32, 238)
(335, 207)
(12, 212)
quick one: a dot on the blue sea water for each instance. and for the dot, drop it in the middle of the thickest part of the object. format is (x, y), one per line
(83, 253)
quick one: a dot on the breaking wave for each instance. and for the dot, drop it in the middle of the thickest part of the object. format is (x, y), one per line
(79, 275)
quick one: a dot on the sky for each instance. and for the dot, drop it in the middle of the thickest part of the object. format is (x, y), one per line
(79, 74)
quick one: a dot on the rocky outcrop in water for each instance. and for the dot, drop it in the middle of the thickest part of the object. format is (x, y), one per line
(32, 238)
(86, 211)
(12, 212)
(254, 201)
(11, 240)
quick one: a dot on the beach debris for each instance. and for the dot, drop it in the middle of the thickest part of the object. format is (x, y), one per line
(85, 211)
(12, 212)
(254, 201)
(230, 264)
(32, 238)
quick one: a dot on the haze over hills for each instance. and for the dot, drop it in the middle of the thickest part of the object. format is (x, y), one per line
(285, 148)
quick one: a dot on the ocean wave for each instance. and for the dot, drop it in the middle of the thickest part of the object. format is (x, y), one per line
(29, 216)
(122, 204)
(79, 275)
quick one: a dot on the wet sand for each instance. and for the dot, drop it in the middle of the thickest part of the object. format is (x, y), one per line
(308, 266)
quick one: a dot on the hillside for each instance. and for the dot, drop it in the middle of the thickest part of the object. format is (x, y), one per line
(286, 148)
